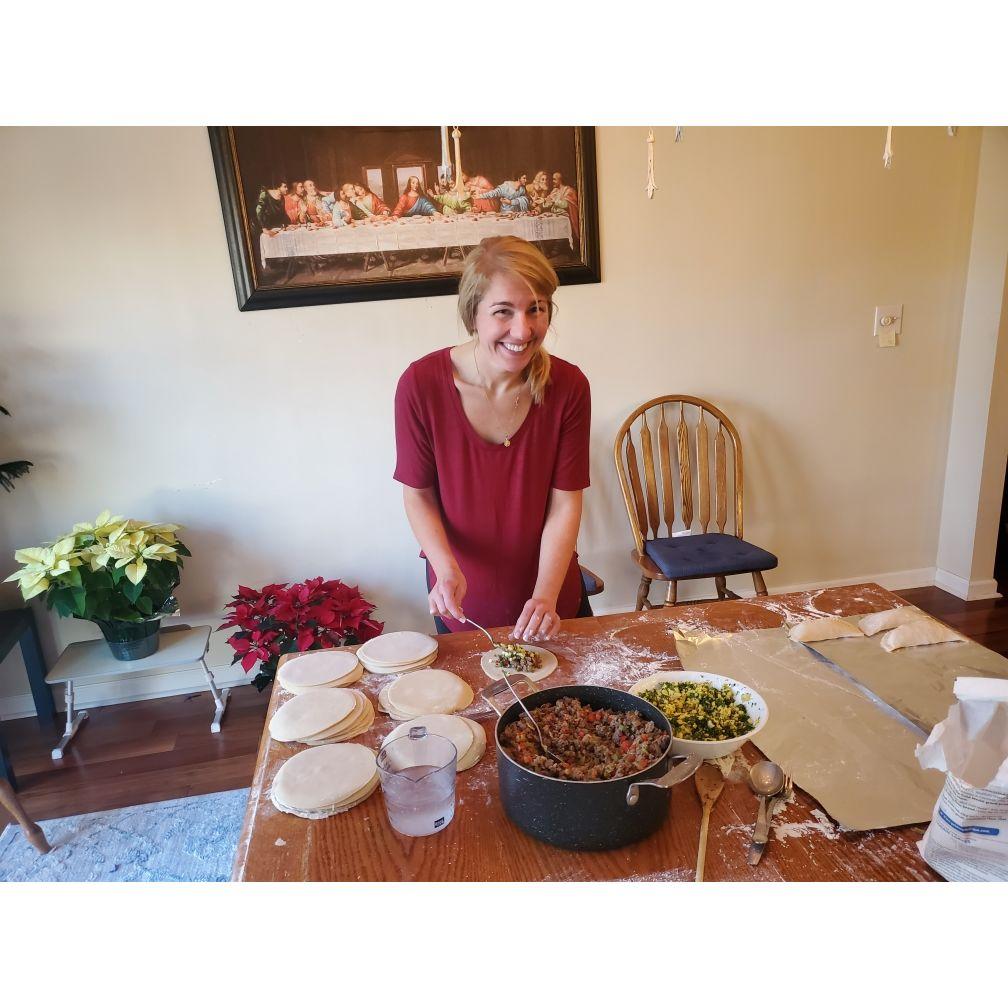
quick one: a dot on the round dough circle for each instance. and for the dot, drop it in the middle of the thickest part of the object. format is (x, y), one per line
(429, 691)
(403, 647)
(449, 726)
(479, 745)
(324, 776)
(397, 669)
(547, 664)
(316, 669)
(311, 713)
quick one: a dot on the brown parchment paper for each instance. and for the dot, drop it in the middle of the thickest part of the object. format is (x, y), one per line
(917, 681)
(853, 757)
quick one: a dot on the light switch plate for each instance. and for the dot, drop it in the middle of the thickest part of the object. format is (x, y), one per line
(888, 324)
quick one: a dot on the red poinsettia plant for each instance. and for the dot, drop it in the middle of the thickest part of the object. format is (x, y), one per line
(279, 619)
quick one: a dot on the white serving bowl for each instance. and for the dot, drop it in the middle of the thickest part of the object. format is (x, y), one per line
(745, 695)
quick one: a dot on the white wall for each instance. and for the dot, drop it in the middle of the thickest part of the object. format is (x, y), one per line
(750, 279)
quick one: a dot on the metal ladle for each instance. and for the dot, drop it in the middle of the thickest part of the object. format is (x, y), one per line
(514, 692)
(767, 780)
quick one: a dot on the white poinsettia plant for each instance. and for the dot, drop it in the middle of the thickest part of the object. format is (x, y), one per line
(113, 569)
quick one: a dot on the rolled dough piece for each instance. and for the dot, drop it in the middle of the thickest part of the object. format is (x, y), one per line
(450, 726)
(325, 776)
(475, 754)
(310, 713)
(331, 810)
(397, 669)
(547, 664)
(403, 647)
(357, 723)
(918, 633)
(319, 669)
(429, 691)
(827, 628)
(874, 622)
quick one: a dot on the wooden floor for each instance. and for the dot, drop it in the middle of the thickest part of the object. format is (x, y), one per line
(130, 754)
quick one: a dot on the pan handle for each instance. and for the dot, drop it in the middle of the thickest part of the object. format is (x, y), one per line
(680, 772)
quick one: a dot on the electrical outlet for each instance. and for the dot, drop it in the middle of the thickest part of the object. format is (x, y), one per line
(888, 324)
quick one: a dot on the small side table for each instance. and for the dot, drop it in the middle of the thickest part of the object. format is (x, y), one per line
(90, 662)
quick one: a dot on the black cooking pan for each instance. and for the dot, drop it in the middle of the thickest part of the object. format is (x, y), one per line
(585, 815)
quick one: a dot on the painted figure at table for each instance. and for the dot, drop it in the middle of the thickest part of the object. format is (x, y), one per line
(478, 185)
(339, 210)
(513, 195)
(538, 191)
(492, 451)
(449, 201)
(363, 202)
(271, 209)
(564, 199)
(413, 203)
(316, 211)
(294, 204)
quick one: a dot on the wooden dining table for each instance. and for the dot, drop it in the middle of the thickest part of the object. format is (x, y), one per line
(481, 844)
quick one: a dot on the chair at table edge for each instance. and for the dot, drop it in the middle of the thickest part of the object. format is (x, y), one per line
(643, 511)
(594, 585)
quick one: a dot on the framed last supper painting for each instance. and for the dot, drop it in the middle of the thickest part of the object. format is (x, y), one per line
(325, 214)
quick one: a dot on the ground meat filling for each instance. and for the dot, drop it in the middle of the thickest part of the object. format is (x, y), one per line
(592, 744)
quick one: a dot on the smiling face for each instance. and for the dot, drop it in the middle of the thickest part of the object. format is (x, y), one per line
(511, 323)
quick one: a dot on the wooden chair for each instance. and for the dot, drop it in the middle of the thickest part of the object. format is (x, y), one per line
(677, 436)
(594, 585)
(32, 831)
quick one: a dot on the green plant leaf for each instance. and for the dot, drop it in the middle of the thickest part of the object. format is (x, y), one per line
(131, 591)
(79, 601)
(144, 605)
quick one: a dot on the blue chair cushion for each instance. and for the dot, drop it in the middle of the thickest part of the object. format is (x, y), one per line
(705, 555)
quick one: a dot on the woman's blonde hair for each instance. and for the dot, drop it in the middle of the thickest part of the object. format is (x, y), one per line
(515, 257)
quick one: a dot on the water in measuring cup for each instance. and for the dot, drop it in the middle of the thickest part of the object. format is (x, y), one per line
(418, 808)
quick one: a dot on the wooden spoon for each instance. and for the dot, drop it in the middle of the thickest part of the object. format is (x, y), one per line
(709, 784)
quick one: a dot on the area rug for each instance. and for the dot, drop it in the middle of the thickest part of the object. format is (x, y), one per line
(183, 840)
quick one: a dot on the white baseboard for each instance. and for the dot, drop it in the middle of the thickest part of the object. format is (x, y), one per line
(968, 590)
(704, 588)
(128, 689)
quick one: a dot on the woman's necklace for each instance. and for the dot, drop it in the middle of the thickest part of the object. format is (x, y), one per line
(514, 416)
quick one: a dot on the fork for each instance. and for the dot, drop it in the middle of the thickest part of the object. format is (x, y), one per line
(786, 794)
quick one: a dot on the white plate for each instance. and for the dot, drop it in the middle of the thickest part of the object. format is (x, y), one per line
(547, 666)
(745, 695)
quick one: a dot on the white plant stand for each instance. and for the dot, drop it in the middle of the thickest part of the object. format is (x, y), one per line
(88, 662)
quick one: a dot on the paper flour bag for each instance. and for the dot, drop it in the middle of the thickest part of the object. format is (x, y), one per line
(967, 840)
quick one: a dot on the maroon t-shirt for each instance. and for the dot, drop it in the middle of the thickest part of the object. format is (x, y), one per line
(494, 498)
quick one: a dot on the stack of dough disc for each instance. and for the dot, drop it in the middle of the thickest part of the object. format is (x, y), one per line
(425, 691)
(402, 651)
(322, 715)
(468, 736)
(319, 669)
(321, 782)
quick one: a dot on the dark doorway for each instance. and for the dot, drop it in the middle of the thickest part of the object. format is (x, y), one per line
(1001, 555)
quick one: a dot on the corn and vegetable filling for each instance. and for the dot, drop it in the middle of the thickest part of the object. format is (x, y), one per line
(700, 712)
(516, 658)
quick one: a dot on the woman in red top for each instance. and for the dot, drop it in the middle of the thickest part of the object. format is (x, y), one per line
(492, 452)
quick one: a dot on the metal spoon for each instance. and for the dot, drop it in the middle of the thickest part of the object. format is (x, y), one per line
(766, 779)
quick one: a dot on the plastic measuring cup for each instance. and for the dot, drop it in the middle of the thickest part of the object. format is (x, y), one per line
(417, 774)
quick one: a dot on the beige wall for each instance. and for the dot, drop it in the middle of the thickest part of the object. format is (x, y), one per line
(750, 279)
(978, 441)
